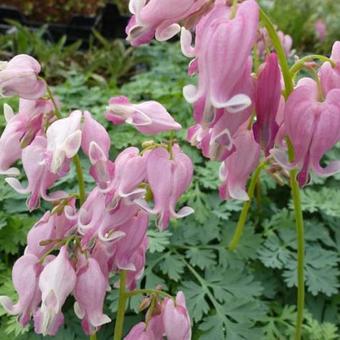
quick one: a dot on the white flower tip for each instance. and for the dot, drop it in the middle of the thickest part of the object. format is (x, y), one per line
(72, 144)
(186, 40)
(235, 104)
(8, 112)
(7, 305)
(190, 93)
(163, 34)
(10, 172)
(16, 185)
(78, 311)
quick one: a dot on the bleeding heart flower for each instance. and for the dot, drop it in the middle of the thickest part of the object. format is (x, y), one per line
(223, 46)
(169, 176)
(90, 291)
(313, 127)
(176, 318)
(19, 77)
(129, 173)
(96, 144)
(56, 282)
(156, 18)
(149, 117)
(235, 170)
(25, 275)
(135, 231)
(64, 139)
(140, 332)
(268, 95)
(36, 162)
(329, 76)
(320, 29)
(93, 131)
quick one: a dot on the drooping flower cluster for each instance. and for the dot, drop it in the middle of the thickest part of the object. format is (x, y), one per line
(232, 134)
(223, 100)
(73, 250)
(238, 107)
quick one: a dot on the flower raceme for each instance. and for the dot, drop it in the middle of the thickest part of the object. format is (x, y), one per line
(217, 139)
(218, 36)
(47, 158)
(73, 250)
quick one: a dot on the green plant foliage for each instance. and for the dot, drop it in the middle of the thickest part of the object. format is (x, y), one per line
(104, 61)
(298, 19)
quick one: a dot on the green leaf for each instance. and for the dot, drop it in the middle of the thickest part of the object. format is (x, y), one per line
(325, 201)
(196, 300)
(213, 327)
(202, 258)
(158, 240)
(208, 175)
(321, 271)
(172, 266)
(274, 253)
(13, 236)
(313, 330)
(236, 283)
(280, 324)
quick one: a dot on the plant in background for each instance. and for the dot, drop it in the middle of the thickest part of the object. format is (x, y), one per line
(245, 119)
(55, 10)
(313, 24)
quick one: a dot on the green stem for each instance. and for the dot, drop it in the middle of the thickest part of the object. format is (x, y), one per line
(300, 259)
(56, 110)
(56, 246)
(80, 176)
(233, 9)
(301, 62)
(289, 85)
(244, 213)
(93, 337)
(148, 292)
(123, 296)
